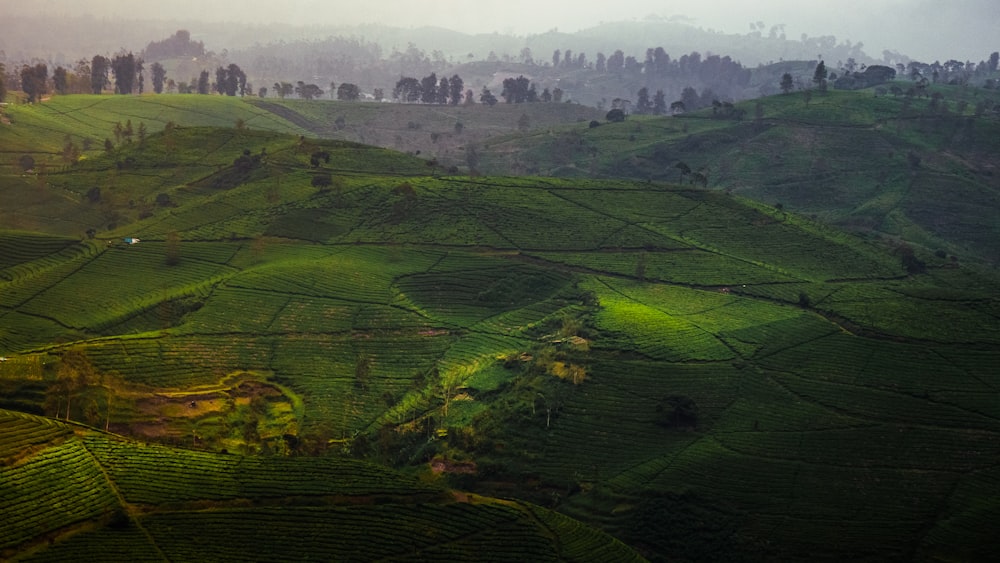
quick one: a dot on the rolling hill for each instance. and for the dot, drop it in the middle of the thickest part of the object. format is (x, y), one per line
(920, 168)
(703, 376)
(72, 493)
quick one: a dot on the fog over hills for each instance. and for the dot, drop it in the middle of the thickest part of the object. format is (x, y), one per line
(920, 29)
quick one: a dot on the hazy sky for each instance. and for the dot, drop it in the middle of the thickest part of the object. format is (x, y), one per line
(923, 29)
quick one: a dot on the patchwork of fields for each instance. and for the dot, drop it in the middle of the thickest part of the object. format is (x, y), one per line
(639, 356)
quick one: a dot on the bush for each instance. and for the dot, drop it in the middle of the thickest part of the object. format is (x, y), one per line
(677, 411)
(322, 181)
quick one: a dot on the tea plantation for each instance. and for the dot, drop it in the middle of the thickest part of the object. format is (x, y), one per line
(313, 344)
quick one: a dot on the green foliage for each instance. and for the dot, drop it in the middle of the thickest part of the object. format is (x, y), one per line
(640, 355)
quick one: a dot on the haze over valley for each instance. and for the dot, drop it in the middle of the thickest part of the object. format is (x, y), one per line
(651, 281)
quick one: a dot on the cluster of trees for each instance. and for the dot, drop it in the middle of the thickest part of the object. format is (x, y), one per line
(950, 72)
(431, 90)
(178, 45)
(230, 80)
(34, 81)
(657, 105)
(656, 64)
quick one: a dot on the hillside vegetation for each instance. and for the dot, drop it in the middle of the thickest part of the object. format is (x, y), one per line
(703, 376)
(920, 168)
(71, 493)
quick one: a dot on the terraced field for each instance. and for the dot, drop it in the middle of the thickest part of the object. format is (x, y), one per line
(701, 375)
(79, 493)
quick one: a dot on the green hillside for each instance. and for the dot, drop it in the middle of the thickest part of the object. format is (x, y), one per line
(435, 131)
(918, 167)
(700, 375)
(71, 494)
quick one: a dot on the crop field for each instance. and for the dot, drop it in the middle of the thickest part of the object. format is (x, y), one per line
(637, 355)
(88, 493)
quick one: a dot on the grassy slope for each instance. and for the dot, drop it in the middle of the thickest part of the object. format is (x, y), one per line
(427, 130)
(844, 156)
(69, 493)
(434, 321)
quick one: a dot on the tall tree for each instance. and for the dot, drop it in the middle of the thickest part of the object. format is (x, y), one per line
(601, 64)
(125, 71)
(348, 92)
(235, 81)
(787, 83)
(457, 86)
(819, 76)
(220, 80)
(443, 91)
(99, 67)
(487, 97)
(642, 104)
(690, 99)
(34, 81)
(516, 90)
(60, 80)
(408, 89)
(159, 77)
(428, 88)
(203, 85)
(616, 62)
(659, 103)
(3, 82)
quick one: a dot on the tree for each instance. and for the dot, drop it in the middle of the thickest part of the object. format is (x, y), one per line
(556, 57)
(819, 76)
(407, 89)
(220, 80)
(348, 92)
(231, 80)
(457, 86)
(3, 83)
(443, 91)
(159, 77)
(642, 105)
(787, 83)
(659, 103)
(690, 99)
(428, 88)
(487, 97)
(308, 91)
(994, 61)
(557, 95)
(516, 90)
(60, 81)
(34, 81)
(615, 116)
(27, 162)
(616, 62)
(125, 68)
(203, 82)
(99, 67)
